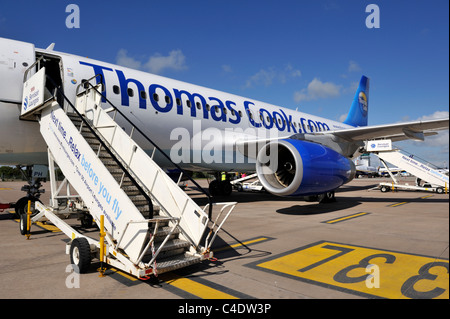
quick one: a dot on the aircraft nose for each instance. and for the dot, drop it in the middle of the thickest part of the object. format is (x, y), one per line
(15, 58)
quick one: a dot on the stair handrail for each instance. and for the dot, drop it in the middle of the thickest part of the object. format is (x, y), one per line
(231, 206)
(418, 158)
(210, 206)
(103, 144)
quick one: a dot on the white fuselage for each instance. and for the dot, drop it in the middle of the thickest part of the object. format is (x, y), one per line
(196, 125)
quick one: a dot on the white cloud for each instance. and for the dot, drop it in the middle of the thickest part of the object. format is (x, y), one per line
(262, 77)
(435, 115)
(227, 68)
(123, 59)
(317, 90)
(441, 140)
(343, 117)
(354, 67)
(266, 77)
(157, 63)
(174, 61)
(435, 148)
(291, 72)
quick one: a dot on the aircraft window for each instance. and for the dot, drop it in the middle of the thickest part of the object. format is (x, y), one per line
(216, 109)
(143, 95)
(240, 113)
(225, 110)
(295, 124)
(167, 99)
(178, 102)
(279, 121)
(116, 89)
(208, 107)
(233, 112)
(188, 103)
(251, 115)
(155, 97)
(130, 92)
(199, 105)
(261, 117)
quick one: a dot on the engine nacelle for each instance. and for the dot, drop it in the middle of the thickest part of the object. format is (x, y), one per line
(299, 168)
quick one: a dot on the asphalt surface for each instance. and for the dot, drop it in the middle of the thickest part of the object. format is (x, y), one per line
(367, 244)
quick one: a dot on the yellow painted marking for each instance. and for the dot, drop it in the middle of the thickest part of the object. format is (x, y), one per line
(426, 196)
(48, 227)
(398, 204)
(51, 228)
(185, 284)
(4, 188)
(191, 286)
(196, 288)
(123, 274)
(395, 275)
(241, 244)
(333, 221)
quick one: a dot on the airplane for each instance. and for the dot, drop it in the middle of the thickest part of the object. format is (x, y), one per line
(364, 167)
(293, 153)
(395, 170)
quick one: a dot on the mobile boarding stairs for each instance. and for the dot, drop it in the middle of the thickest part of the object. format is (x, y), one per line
(435, 180)
(148, 224)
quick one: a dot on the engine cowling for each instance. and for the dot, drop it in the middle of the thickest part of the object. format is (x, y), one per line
(299, 168)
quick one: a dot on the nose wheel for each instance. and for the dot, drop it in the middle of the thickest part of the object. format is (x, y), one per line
(327, 197)
(222, 188)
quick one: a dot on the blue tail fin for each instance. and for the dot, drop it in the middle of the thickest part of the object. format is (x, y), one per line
(360, 106)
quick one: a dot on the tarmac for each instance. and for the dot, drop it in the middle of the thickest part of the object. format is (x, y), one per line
(366, 245)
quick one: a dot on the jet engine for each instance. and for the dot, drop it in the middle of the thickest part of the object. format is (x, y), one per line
(299, 168)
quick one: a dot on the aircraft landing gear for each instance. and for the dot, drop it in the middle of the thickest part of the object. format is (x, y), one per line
(33, 192)
(327, 197)
(220, 186)
(223, 188)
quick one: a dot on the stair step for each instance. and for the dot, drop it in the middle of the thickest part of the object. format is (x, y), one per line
(110, 164)
(131, 190)
(143, 209)
(139, 200)
(173, 244)
(176, 262)
(86, 133)
(92, 141)
(163, 231)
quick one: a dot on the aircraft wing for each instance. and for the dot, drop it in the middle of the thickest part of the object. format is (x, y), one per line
(416, 130)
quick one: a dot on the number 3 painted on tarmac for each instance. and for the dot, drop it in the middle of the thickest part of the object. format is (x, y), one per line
(424, 273)
(342, 277)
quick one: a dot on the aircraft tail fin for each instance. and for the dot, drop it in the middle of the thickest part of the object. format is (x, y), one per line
(360, 107)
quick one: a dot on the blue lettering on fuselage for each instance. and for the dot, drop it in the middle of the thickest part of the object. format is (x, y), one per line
(220, 111)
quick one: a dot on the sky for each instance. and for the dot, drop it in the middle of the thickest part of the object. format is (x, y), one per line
(307, 54)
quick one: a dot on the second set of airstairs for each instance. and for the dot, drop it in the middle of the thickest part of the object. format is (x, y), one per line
(434, 179)
(148, 224)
